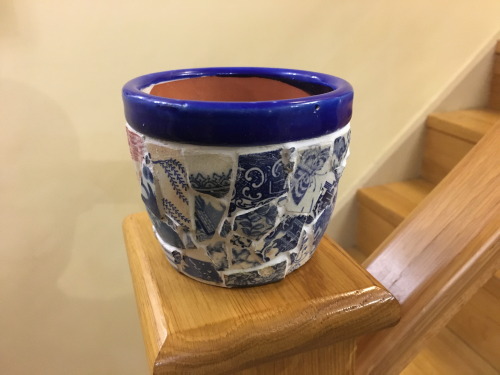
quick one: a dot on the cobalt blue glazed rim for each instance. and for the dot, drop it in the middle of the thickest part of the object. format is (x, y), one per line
(327, 108)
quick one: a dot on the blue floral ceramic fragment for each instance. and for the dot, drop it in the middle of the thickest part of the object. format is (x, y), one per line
(240, 242)
(303, 254)
(217, 254)
(148, 190)
(226, 229)
(210, 173)
(166, 232)
(311, 162)
(341, 146)
(321, 225)
(265, 275)
(244, 258)
(207, 215)
(177, 257)
(200, 270)
(284, 238)
(174, 257)
(327, 194)
(242, 253)
(256, 223)
(215, 185)
(261, 177)
(312, 169)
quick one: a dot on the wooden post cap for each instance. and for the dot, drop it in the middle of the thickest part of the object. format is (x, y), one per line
(194, 328)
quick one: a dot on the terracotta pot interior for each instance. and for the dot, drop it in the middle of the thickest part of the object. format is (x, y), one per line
(227, 89)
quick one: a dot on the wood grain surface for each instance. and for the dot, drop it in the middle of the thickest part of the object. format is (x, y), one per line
(442, 152)
(438, 258)
(394, 201)
(478, 324)
(193, 328)
(372, 229)
(469, 124)
(337, 358)
(494, 101)
(447, 354)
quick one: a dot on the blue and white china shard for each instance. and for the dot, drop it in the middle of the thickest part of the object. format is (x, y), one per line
(238, 167)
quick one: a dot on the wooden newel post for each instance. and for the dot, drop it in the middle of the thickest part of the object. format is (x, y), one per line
(305, 324)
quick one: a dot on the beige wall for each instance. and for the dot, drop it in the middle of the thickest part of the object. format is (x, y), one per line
(66, 181)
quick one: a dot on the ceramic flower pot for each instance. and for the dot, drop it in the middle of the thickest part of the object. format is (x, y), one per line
(239, 167)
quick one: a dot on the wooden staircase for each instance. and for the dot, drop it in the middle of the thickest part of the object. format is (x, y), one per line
(470, 343)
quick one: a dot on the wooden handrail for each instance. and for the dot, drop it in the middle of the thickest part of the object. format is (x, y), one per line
(438, 257)
(305, 325)
(433, 263)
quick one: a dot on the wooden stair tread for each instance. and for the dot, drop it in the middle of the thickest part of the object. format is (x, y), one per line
(447, 354)
(469, 125)
(394, 201)
(356, 254)
(478, 325)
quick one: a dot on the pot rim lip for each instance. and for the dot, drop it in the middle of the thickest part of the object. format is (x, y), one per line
(239, 123)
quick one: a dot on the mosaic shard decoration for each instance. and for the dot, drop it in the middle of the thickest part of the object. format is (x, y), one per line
(200, 269)
(136, 147)
(245, 258)
(166, 232)
(148, 188)
(242, 216)
(284, 238)
(256, 223)
(174, 257)
(136, 144)
(240, 242)
(207, 215)
(217, 254)
(321, 225)
(341, 148)
(265, 275)
(303, 254)
(226, 228)
(242, 253)
(210, 173)
(311, 171)
(327, 195)
(261, 177)
(172, 179)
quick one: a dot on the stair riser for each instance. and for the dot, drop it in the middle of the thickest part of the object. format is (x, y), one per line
(372, 230)
(442, 152)
(494, 101)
